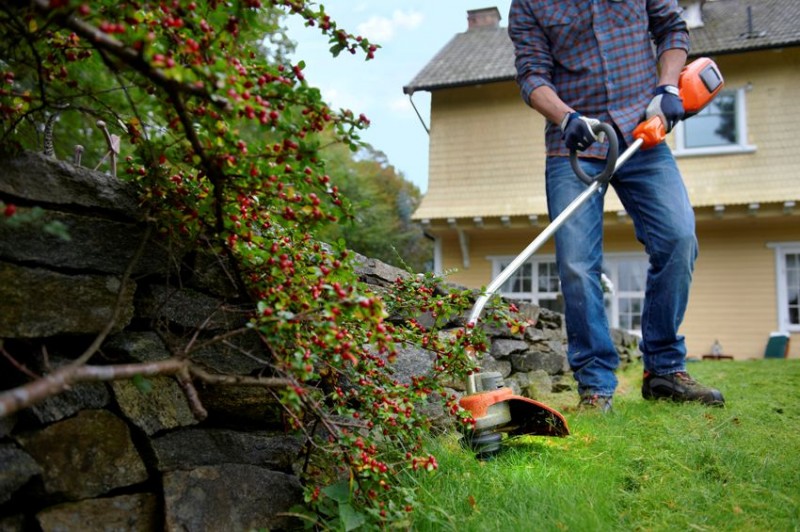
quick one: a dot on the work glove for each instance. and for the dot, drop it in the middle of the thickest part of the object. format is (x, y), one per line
(666, 104)
(576, 130)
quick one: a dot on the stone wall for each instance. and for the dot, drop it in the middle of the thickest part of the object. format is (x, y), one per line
(131, 454)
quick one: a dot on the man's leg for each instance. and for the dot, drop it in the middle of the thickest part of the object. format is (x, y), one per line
(579, 242)
(652, 190)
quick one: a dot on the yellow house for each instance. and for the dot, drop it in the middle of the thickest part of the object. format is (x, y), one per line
(740, 159)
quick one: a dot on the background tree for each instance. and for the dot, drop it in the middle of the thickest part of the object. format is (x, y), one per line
(382, 201)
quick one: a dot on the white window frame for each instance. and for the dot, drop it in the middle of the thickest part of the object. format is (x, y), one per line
(533, 296)
(610, 262)
(781, 251)
(741, 134)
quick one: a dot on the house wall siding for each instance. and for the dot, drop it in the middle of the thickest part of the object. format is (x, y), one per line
(733, 296)
(772, 172)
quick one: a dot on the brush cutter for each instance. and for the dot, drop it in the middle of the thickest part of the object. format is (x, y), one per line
(494, 407)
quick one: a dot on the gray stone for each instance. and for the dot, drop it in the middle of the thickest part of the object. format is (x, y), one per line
(550, 320)
(16, 468)
(411, 362)
(138, 347)
(502, 347)
(213, 274)
(85, 456)
(95, 244)
(13, 523)
(513, 383)
(243, 354)
(539, 385)
(188, 308)
(236, 404)
(373, 271)
(7, 425)
(125, 513)
(229, 497)
(500, 366)
(549, 361)
(34, 177)
(82, 396)
(194, 447)
(162, 405)
(39, 303)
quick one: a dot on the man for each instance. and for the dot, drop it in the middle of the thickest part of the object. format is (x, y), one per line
(578, 63)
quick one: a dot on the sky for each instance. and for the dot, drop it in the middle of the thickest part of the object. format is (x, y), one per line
(410, 33)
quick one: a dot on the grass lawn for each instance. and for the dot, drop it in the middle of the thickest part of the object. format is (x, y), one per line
(646, 466)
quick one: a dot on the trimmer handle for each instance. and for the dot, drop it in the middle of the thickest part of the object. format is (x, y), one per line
(611, 157)
(699, 83)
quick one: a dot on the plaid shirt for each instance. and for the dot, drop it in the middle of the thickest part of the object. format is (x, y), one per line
(596, 54)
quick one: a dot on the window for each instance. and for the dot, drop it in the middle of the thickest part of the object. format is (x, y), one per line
(719, 128)
(625, 302)
(537, 281)
(787, 258)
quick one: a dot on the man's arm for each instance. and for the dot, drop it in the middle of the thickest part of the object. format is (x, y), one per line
(670, 64)
(546, 101)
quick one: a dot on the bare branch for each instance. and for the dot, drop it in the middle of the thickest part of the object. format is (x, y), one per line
(240, 380)
(14, 362)
(63, 379)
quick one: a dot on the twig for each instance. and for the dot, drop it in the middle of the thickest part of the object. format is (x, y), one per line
(239, 380)
(14, 362)
(186, 384)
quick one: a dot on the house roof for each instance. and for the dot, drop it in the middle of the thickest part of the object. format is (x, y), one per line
(483, 55)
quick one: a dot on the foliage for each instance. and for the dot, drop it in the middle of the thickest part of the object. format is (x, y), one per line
(226, 140)
(647, 466)
(382, 203)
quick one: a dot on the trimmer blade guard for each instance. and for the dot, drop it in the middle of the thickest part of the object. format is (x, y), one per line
(535, 418)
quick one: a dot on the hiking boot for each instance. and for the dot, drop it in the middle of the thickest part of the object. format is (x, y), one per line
(679, 387)
(601, 403)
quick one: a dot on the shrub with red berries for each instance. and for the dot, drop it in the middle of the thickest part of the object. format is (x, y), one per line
(223, 142)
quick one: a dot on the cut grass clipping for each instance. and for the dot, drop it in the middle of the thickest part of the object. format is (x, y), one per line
(646, 466)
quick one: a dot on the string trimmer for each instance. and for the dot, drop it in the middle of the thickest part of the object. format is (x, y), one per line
(494, 407)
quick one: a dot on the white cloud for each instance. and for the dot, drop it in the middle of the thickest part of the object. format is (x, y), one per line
(400, 105)
(380, 29)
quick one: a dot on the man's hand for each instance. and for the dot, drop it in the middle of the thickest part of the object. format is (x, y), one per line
(577, 131)
(667, 105)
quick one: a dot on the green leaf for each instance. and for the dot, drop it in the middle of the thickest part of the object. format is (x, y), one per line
(351, 519)
(142, 384)
(339, 492)
(58, 229)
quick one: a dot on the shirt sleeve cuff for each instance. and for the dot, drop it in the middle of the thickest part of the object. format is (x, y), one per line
(527, 86)
(676, 40)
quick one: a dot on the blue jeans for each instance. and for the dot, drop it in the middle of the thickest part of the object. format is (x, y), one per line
(652, 191)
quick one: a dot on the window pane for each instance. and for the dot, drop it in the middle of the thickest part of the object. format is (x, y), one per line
(548, 277)
(715, 125)
(793, 287)
(630, 313)
(520, 281)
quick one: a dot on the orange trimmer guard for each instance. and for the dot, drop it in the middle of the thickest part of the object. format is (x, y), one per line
(526, 415)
